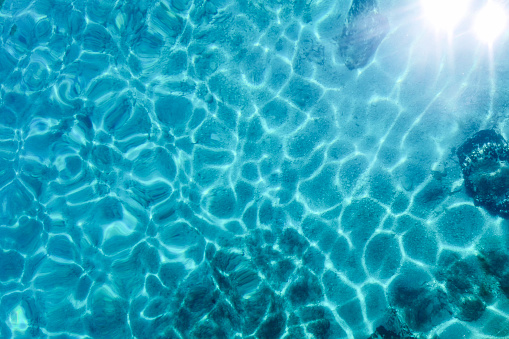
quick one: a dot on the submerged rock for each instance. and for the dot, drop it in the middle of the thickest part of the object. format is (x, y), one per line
(484, 162)
(392, 327)
(364, 30)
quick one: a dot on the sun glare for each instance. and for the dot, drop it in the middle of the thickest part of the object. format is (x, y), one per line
(490, 22)
(445, 14)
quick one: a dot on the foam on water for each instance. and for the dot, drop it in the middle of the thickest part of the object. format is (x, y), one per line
(244, 169)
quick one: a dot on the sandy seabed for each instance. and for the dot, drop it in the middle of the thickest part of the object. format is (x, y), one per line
(212, 169)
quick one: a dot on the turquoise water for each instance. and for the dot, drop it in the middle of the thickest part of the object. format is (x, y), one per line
(246, 169)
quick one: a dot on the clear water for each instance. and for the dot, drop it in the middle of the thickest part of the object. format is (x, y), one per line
(212, 169)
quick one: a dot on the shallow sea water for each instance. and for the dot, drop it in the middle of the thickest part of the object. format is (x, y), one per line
(212, 169)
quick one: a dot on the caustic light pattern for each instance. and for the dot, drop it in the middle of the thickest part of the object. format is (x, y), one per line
(249, 169)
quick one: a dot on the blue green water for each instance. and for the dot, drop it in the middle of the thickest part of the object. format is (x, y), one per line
(245, 169)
